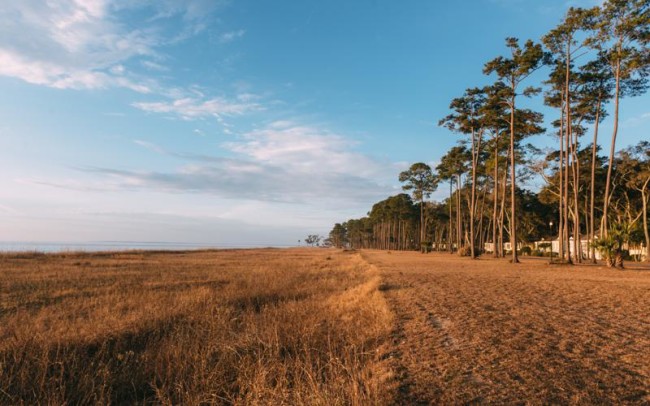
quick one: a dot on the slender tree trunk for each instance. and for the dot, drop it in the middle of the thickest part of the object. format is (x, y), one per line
(496, 197)
(459, 230)
(399, 241)
(374, 237)
(472, 208)
(450, 236)
(612, 149)
(565, 229)
(513, 206)
(422, 225)
(393, 235)
(569, 149)
(380, 236)
(586, 211)
(388, 235)
(503, 207)
(489, 233)
(594, 150)
(560, 233)
(407, 231)
(577, 246)
(396, 234)
(481, 241)
(644, 197)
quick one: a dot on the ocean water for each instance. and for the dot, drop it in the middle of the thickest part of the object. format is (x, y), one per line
(91, 246)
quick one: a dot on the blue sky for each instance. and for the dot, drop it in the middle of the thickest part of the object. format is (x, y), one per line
(235, 122)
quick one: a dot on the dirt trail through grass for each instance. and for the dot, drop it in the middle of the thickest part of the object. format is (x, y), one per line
(487, 331)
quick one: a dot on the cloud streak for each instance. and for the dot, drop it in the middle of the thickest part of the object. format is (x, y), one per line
(235, 179)
(190, 108)
(81, 44)
(282, 162)
(230, 36)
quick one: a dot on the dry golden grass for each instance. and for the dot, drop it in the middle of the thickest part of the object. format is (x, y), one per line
(223, 327)
(320, 327)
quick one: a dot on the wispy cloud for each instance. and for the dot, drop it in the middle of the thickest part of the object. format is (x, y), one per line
(150, 146)
(636, 120)
(236, 179)
(303, 148)
(151, 65)
(62, 77)
(283, 162)
(231, 36)
(82, 44)
(193, 108)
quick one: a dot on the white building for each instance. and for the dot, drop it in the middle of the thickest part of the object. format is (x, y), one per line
(543, 246)
(555, 247)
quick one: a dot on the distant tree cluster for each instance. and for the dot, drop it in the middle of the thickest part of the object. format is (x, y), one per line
(594, 57)
(314, 240)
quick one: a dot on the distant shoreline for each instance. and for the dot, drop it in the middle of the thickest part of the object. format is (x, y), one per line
(46, 247)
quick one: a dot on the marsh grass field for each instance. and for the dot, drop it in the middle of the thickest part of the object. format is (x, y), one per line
(318, 326)
(211, 327)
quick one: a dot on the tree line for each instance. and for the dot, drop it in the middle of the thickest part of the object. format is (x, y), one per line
(593, 58)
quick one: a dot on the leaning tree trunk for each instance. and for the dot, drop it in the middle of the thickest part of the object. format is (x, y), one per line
(513, 206)
(459, 225)
(496, 197)
(594, 148)
(569, 153)
(560, 225)
(645, 220)
(612, 149)
(472, 206)
(450, 236)
(502, 210)
(565, 230)
(577, 243)
(481, 207)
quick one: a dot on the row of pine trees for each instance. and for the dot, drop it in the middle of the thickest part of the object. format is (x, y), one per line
(594, 58)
